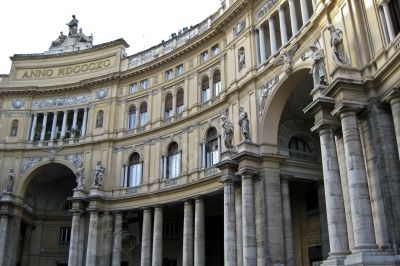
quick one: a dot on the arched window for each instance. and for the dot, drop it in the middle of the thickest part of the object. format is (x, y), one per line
(132, 117)
(179, 101)
(297, 144)
(99, 119)
(168, 106)
(205, 90)
(135, 170)
(143, 114)
(212, 147)
(173, 161)
(217, 83)
(14, 128)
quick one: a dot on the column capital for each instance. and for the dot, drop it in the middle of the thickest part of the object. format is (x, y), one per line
(229, 179)
(393, 97)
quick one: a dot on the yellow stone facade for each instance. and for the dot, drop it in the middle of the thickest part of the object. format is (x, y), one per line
(115, 159)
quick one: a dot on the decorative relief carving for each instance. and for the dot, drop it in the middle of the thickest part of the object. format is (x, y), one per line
(17, 104)
(287, 58)
(238, 28)
(264, 10)
(102, 93)
(65, 101)
(29, 163)
(264, 92)
(75, 159)
(52, 152)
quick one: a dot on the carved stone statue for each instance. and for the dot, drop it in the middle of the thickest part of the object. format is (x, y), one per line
(59, 40)
(242, 59)
(227, 131)
(244, 124)
(318, 68)
(99, 119)
(98, 174)
(79, 174)
(73, 26)
(10, 183)
(339, 55)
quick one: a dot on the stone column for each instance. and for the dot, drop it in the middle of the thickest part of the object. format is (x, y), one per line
(199, 244)
(74, 119)
(32, 135)
(91, 251)
(323, 220)
(364, 238)
(54, 126)
(239, 229)
(272, 35)
(117, 240)
(293, 17)
(229, 222)
(82, 228)
(145, 258)
(44, 124)
(248, 221)
(74, 239)
(262, 44)
(282, 25)
(3, 237)
(257, 43)
(336, 217)
(388, 18)
(187, 256)
(304, 11)
(13, 240)
(157, 237)
(345, 188)
(84, 122)
(395, 107)
(64, 124)
(26, 246)
(287, 222)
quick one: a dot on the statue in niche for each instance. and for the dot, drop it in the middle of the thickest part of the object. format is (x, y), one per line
(318, 68)
(10, 182)
(242, 59)
(73, 26)
(227, 131)
(244, 124)
(339, 54)
(99, 119)
(14, 128)
(80, 176)
(98, 174)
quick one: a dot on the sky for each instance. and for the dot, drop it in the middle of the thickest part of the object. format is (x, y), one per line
(29, 26)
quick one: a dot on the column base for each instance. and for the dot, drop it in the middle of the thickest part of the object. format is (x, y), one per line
(373, 258)
(334, 260)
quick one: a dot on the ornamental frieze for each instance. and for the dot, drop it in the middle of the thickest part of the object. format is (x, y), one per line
(264, 10)
(29, 163)
(59, 102)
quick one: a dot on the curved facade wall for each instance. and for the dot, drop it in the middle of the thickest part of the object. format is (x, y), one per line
(110, 159)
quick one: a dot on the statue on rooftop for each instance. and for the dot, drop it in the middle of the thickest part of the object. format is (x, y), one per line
(73, 26)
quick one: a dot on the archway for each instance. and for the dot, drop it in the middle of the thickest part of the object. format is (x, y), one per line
(288, 127)
(45, 235)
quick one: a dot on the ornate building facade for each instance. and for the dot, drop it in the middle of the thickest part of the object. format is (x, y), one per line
(267, 134)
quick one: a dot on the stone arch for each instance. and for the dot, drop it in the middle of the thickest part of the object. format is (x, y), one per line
(21, 188)
(276, 103)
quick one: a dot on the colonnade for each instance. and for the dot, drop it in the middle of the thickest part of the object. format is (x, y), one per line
(361, 168)
(33, 134)
(267, 30)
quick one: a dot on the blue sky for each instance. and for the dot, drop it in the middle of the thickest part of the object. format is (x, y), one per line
(30, 26)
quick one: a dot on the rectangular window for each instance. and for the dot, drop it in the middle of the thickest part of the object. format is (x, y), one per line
(215, 50)
(179, 70)
(133, 87)
(205, 95)
(135, 174)
(144, 84)
(143, 119)
(169, 74)
(174, 165)
(217, 88)
(132, 121)
(65, 235)
(204, 56)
